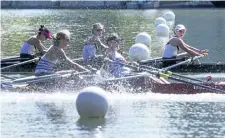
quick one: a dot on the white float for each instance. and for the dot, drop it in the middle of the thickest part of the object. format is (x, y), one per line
(162, 30)
(160, 20)
(92, 102)
(169, 16)
(139, 52)
(143, 38)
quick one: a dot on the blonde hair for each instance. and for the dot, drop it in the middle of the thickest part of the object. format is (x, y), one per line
(62, 34)
(97, 26)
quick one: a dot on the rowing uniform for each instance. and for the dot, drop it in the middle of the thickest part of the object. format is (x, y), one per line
(26, 50)
(89, 51)
(170, 52)
(45, 67)
(118, 70)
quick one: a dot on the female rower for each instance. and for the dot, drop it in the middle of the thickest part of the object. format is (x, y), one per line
(114, 69)
(176, 43)
(35, 42)
(49, 63)
(117, 66)
(90, 47)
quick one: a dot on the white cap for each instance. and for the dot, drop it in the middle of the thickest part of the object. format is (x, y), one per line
(180, 27)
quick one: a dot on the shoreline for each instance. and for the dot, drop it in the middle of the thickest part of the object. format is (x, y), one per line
(103, 4)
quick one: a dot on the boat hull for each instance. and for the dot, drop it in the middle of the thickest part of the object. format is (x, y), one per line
(194, 68)
(138, 83)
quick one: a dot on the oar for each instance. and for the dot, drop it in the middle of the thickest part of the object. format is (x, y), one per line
(7, 77)
(23, 82)
(21, 63)
(163, 75)
(165, 70)
(160, 60)
(183, 62)
(171, 73)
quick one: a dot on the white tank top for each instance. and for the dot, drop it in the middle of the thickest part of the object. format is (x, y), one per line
(118, 70)
(26, 49)
(170, 51)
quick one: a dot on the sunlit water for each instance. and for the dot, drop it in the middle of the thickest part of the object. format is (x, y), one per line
(52, 115)
(130, 115)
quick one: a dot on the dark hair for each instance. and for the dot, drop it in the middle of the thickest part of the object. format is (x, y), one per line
(113, 36)
(41, 29)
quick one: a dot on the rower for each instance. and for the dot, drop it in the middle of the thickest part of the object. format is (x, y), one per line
(175, 44)
(92, 44)
(114, 69)
(35, 42)
(50, 62)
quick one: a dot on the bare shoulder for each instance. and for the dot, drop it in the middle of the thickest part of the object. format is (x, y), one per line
(175, 41)
(33, 40)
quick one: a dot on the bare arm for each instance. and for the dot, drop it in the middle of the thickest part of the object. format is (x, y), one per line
(183, 46)
(75, 65)
(40, 47)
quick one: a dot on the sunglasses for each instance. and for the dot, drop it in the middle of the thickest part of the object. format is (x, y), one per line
(67, 39)
(99, 30)
(180, 31)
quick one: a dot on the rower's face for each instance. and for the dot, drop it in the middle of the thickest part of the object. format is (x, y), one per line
(180, 33)
(64, 42)
(98, 32)
(114, 44)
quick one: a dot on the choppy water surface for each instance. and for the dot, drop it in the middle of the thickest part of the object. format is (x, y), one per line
(130, 115)
(144, 115)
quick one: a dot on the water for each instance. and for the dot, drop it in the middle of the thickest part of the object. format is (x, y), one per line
(129, 115)
(53, 115)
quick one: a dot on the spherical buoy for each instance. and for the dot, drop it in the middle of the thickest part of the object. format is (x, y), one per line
(162, 30)
(139, 52)
(169, 16)
(92, 102)
(160, 20)
(143, 38)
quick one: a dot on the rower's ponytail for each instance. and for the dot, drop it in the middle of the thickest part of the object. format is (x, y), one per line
(41, 29)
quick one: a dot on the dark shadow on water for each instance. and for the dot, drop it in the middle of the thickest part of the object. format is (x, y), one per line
(91, 124)
(54, 113)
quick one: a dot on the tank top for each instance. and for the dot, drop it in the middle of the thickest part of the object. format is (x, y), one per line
(45, 66)
(170, 51)
(118, 70)
(26, 49)
(89, 51)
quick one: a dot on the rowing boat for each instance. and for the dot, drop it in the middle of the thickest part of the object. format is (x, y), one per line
(157, 62)
(140, 82)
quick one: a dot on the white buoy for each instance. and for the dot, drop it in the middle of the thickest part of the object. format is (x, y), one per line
(139, 52)
(169, 16)
(92, 102)
(160, 20)
(162, 30)
(143, 38)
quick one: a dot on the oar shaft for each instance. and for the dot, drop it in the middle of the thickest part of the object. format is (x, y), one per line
(172, 73)
(22, 63)
(196, 84)
(183, 62)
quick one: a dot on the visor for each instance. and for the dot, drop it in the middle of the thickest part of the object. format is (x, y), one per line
(48, 35)
(180, 27)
